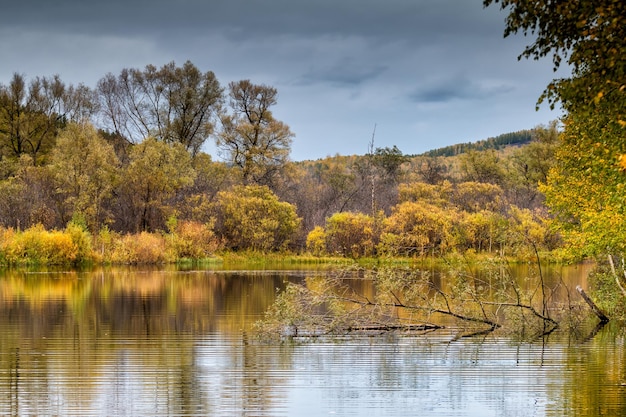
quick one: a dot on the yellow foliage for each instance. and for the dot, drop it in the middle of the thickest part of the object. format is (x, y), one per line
(316, 241)
(193, 240)
(39, 246)
(351, 234)
(418, 228)
(140, 248)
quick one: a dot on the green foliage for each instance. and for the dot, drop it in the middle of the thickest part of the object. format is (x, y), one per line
(252, 217)
(584, 188)
(590, 35)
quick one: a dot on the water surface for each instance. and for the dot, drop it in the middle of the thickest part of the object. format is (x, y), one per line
(162, 342)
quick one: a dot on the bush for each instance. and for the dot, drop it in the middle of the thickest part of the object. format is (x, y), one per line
(142, 248)
(252, 217)
(193, 240)
(36, 246)
(351, 234)
(418, 229)
(316, 241)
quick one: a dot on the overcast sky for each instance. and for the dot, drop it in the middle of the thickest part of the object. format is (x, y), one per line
(427, 73)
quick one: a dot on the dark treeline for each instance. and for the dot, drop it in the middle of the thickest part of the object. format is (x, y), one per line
(126, 158)
(519, 138)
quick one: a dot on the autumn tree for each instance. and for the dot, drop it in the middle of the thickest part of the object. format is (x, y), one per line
(588, 35)
(530, 166)
(198, 198)
(28, 197)
(431, 169)
(251, 138)
(585, 188)
(482, 166)
(155, 173)
(85, 170)
(31, 115)
(172, 104)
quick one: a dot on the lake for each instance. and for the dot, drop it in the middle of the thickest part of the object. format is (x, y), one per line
(166, 342)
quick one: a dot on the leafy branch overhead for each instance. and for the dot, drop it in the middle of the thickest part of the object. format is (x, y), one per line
(588, 36)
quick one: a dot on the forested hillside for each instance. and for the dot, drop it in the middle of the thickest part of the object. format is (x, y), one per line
(499, 142)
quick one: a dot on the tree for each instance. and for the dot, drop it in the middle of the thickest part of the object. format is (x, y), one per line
(482, 166)
(155, 173)
(250, 137)
(31, 116)
(28, 198)
(531, 165)
(172, 104)
(589, 35)
(85, 169)
(585, 188)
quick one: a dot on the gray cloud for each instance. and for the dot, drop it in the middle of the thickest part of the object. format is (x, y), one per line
(339, 65)
(345, 73)
(457, 88)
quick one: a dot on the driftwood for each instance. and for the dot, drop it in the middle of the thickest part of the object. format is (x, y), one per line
(603, 317)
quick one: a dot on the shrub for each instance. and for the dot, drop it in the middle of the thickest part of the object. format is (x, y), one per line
(193, 240)
(351, 234)
(418, 229)
(252, 217)
(316, 241)
(142, 248)
(36, 246)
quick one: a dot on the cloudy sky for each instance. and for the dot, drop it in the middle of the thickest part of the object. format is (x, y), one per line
(426, 73)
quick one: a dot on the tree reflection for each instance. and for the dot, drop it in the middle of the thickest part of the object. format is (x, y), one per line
(99, 340)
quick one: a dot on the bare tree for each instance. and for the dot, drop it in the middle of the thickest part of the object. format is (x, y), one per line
(250, 137)
(173, 104)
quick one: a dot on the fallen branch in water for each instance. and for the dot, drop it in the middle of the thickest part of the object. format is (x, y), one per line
(398, 299)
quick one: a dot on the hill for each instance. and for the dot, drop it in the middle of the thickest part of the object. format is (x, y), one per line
(519, 138)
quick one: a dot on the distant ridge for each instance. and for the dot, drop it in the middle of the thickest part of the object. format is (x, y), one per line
(519, 138)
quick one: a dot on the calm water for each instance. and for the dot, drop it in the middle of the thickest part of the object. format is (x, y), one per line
(150, 343)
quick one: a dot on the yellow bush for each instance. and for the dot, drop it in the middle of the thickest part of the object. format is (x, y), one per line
(139, 248)
(418, 229)
(193, 240)
(316, 241)
(39, 246)
(351, 234)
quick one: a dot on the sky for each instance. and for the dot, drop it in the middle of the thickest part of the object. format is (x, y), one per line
(416, 74)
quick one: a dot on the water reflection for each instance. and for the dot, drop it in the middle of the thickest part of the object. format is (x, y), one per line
(122, 342)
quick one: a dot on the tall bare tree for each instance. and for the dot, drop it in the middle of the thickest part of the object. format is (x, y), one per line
(172, 104)
(250, 137)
